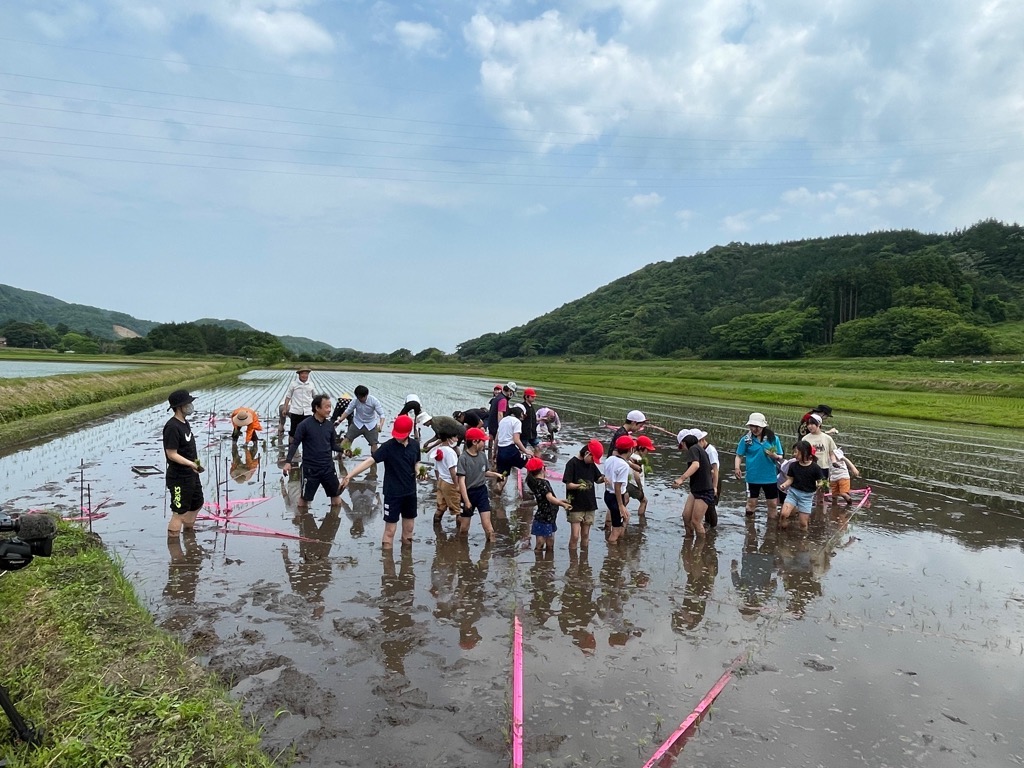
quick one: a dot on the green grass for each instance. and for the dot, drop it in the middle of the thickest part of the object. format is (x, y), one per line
(83, 660)
(961, 392)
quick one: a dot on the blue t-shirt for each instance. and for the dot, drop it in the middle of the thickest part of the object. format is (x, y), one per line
(761, 469)
(399, 467)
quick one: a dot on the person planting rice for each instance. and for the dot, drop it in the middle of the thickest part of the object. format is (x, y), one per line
(582, 474)
(637, 479)
(511, 453)
(802, 480)
(247, 418)
(635, 421)
(548, 423)
(839, 474)
(762, 450)
(183, 465)
(472, 472)
(616, 471)
(702, 493)
(446, 458)
(445, 428)
(499, 406)
(545, 518)
(711, 515)
(367, 419)
(400, 456)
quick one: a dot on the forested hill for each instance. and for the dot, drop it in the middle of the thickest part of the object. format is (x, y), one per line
(884, 293)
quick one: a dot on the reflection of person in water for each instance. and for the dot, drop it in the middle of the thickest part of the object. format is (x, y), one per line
(614, 594)
(290, 493)
(184, 567)
(542, 585)
(244, 463)
(397, 590)
(700, 561)
(755, 581)
(465, 586)
(366, 504)
(802, 563)
(578, 604)
(310, 576)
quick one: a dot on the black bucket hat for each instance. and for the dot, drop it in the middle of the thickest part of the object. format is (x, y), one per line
(178, 398)
(825, 409)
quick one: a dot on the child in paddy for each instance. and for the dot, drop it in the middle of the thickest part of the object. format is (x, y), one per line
(803, 477)
(839, 476)
(636, 487)
(581, 474)
(472, 473)
(446, 459)
(547, 504)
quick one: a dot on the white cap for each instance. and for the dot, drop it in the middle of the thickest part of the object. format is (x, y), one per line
(512, 385)
(637, 416)
(412, 398)
(700, 434)
(423, 418)
(683, 433)
(816, 418)
(757, 420)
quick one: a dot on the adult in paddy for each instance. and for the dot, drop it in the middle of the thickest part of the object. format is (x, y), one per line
(183, 466)
(319, 443)
(762, 450)
(400, 456)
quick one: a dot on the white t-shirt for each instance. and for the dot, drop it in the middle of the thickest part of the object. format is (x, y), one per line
(508, 427)
(712, 453)
(443, 466)
(640, 476)
(616, 470)
(300, 397)
(838, 469)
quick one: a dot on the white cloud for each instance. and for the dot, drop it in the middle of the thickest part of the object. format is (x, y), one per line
(537, 209)
(418, 35)
(645, 202)
(685, 216)
(278, 31)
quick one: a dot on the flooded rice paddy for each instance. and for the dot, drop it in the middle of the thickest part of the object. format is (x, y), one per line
(30, 369)
(893, 638)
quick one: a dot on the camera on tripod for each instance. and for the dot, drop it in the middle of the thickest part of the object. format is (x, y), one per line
(34, 539)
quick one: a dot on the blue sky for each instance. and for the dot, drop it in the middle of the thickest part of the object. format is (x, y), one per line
(382, 175)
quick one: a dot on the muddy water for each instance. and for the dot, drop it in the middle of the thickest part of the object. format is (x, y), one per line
(892, 638)
(28, 369)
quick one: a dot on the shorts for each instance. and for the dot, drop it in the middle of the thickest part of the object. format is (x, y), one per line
(399, 506)
(479, 500)
(544, 530)
(635, 492)
(353, 432)
(613, 507)
(771, 490)
(532, 442)
(583, 517)
(708, 496)
(509, 457)
(327, 480)
(448, 498)
(839, 487)
(802, 500)
(186, 493)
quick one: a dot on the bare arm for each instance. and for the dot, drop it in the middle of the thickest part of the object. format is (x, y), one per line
(176, 458)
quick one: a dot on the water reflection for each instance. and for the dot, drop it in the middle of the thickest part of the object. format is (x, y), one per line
(754, 574)
(397, 592)
(184, 568)
(311, 575)
(245, 463)
(366, 504)
(578, 604)
(542, 586)
(611, 605)
(700, 561)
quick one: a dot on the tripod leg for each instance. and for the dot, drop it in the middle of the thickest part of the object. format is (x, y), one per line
(23, 729)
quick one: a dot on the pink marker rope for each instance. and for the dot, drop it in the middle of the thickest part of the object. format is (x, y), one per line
(517, 695)
(698, 713)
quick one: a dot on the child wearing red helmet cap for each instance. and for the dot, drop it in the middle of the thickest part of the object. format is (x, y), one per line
(472, 473)
(448, 499)
(401, 459)
(581, 474)
(638, 477)
(529, 434)
(544, 519)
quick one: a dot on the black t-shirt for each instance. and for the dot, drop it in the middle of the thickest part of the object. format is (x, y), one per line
(474, 417)
(178, 437)
(546, 511)
(575, 470)
(319, 441)
(620, 432)
(700, 481)
(529, 433)
(806, 478)
(399, 467)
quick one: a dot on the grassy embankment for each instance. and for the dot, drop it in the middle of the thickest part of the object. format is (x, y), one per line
(38, 407)
(962, 392)
(83, 660)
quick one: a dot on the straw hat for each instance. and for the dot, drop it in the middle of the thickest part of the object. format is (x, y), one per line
(242, 419)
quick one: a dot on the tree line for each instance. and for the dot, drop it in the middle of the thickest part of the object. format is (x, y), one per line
(880, 294)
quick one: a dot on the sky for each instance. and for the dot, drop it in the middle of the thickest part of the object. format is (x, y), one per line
(384, 175)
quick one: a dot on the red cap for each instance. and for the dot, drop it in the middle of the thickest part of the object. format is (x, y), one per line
(475, 433)
(403, 427)
(438, 455)
(596, 450)
(645, 442)
(497, 387)
(534, 464)
(625, 443)
(529, 392)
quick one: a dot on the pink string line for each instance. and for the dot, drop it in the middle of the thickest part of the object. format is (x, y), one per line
(517, 695)
(252, 529)
(230, 506)
(83, 518)
(554, 475)
(681, 732)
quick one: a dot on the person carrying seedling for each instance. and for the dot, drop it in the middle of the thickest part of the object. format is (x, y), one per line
(581, 474)
(544, 519)
(472, 472)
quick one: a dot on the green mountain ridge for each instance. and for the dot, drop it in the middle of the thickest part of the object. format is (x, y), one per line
(880, 293)
(20, 305)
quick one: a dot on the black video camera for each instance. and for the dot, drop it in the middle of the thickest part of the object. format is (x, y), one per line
(35, 538)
